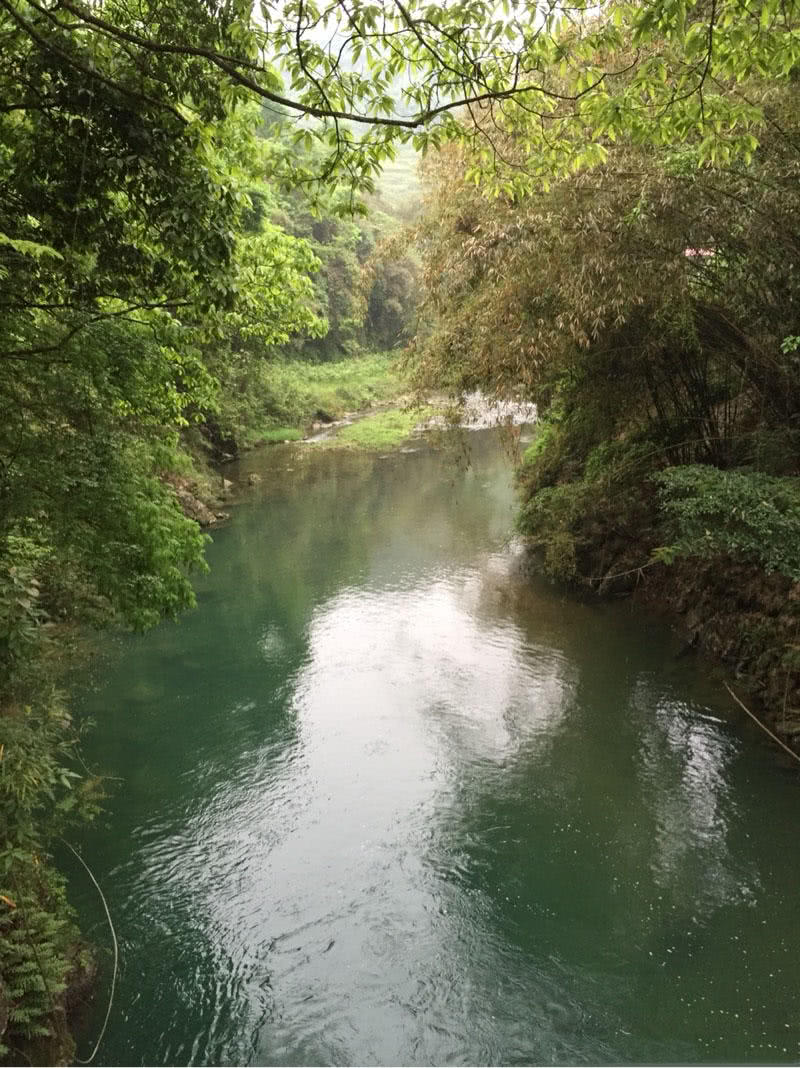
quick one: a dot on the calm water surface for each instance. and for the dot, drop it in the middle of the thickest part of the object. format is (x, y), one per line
(385, 802)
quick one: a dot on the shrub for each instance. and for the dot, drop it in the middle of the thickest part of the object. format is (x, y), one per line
(710, 512)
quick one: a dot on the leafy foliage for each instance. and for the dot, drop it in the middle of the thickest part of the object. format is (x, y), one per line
(20, 612)
(366, 287)
(747, 514)
(414, 71)
(41, 795)
(576, 497)
(35, 935)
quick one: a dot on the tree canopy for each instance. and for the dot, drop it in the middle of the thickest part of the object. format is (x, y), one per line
(372, 74)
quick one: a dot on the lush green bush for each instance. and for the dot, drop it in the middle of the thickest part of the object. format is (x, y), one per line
(37, 942)
(746, 514)
(550, 519)
(583, 497)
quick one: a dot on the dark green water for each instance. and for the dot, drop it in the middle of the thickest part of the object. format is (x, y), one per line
(385, 802)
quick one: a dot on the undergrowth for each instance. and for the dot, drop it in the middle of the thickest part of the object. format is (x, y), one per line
(43, 792)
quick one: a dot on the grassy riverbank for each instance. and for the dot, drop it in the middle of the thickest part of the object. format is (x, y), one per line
(384, 430)
(292, 394)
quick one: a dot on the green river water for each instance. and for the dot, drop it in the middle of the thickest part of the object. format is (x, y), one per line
(385, 801)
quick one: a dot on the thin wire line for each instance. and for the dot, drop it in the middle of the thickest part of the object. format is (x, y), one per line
(116, 954)
(763, 726)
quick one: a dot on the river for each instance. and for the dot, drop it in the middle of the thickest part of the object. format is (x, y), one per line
(382, 800)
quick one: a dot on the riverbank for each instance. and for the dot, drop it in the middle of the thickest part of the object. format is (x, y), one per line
(388, 424)
(302, 396)
(307, 402)
(744, 620)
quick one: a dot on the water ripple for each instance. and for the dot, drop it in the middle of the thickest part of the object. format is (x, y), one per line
(386, 802)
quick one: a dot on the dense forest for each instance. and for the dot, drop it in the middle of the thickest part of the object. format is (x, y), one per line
(189, 218)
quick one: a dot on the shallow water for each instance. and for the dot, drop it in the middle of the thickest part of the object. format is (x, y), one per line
(385, 801)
